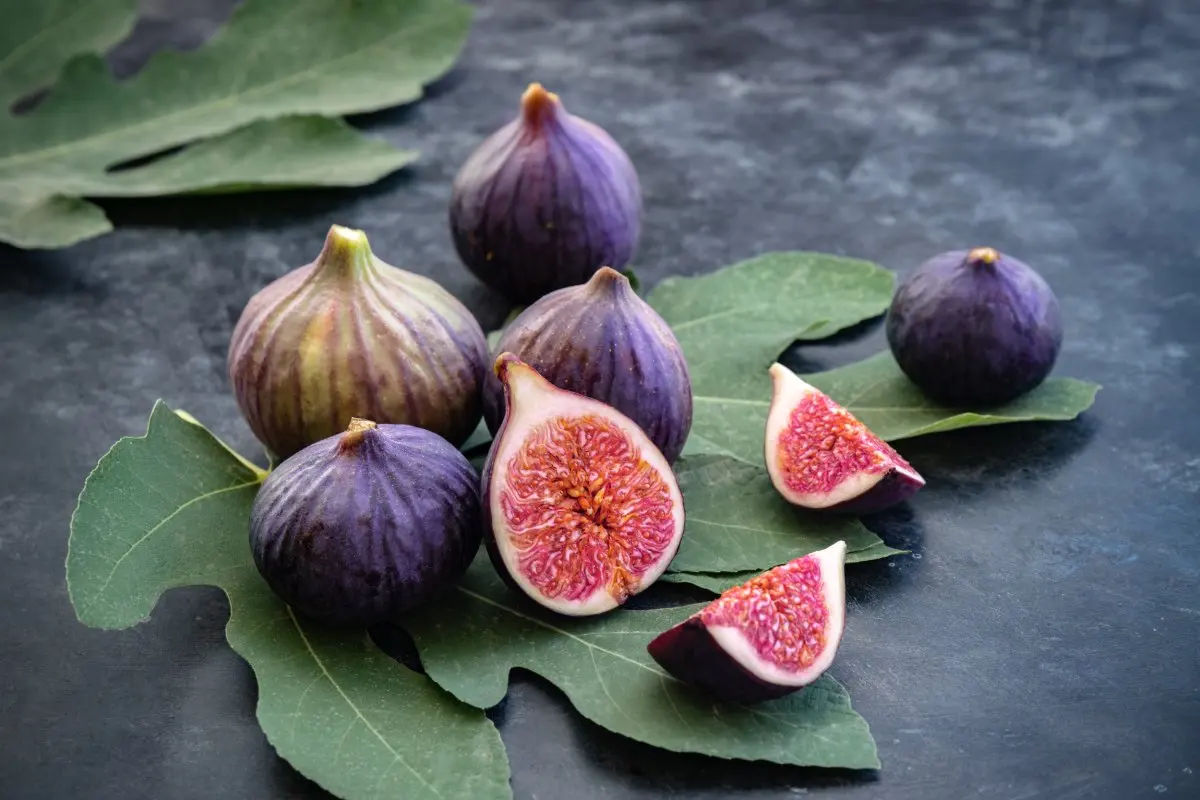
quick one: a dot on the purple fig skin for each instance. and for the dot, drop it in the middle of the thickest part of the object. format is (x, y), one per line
(601, 340)
(351, 336)
(975, 328)
(362, 526)
(544, 201)
(894, 488)
(690, 653)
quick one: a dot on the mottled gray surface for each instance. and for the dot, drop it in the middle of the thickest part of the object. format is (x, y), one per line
(1042, 641)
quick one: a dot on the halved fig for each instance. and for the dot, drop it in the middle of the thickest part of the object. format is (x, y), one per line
(767, 638)
(581, 509)
(821, 456)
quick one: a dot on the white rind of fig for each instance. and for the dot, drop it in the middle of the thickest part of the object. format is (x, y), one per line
(530, 402)
(827, 454)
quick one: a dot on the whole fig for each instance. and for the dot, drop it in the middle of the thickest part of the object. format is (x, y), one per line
(364, 525)
(350, 336)
(544, 201)
(601, 340)
(974, 328)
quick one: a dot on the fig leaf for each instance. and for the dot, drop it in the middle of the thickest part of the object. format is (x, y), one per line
(482, 631)
(170, 509)
(252, 105)
(717, 582)
(736, 521)
(878, 393)
(734, 322)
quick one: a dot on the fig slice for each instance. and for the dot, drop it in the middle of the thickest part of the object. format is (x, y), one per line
(581, 509)
(821, 456)
(777, 632)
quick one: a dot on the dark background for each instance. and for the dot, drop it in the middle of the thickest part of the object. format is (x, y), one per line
(1043, 640)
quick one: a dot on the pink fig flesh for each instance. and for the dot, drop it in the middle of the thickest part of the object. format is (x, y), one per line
(820, 456)
(767, 638)
(581, 509)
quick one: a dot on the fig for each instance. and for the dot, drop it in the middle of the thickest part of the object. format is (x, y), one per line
(366, 524)
(351, 336)
(821, 456)
(601, 340)
(544, 201)
(581, 511)
(974, 328)
(765, 639)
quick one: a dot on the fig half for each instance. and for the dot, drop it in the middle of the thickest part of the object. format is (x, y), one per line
(581, 509)
(821, 456)
(767, 638)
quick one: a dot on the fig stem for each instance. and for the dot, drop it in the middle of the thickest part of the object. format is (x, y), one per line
(354, 434)
(346, 254)
(538, 105)
(982, 256)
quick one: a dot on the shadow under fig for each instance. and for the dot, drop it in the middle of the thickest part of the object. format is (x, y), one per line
(975, 461)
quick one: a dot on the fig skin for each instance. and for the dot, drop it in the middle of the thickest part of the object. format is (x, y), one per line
(716, 659)
(544, 401)
(367, 524)
(351, 336)
(601, 340)
(975, 328)
(544, 201)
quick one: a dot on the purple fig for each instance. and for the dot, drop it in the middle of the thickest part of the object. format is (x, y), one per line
(362, 526)
(820, 456)
(581, 510)
(544, 202)
(350, 336)
(601, 340)
(765, 639)
(975, 328)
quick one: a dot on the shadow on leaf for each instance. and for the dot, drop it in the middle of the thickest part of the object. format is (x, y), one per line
(644, 768)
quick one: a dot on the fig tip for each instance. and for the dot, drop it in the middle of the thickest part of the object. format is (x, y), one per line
(537, 104)
(353, 436)
(983, 255)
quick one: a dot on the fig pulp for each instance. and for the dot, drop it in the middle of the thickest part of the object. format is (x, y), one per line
(820, 456)
(581, 509)
(362, 526)
(770, 636)
(974, 328)
(601, 340)
(351, 336)
(544, 202)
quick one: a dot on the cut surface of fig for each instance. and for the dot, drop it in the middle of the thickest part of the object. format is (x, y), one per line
(583, 510)
(821, 456)
(770, 636)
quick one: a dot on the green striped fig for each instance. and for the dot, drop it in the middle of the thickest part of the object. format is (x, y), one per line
(351, 336)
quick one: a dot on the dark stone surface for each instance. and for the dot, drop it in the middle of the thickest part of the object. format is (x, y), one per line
(1044, 638)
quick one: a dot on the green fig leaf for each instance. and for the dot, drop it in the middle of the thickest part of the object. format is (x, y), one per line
(470, 643)
(736, 521)
(247, 105)
(717, 582)
(37, 38)
(170, 509)
(887, 402)
(734, 322)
